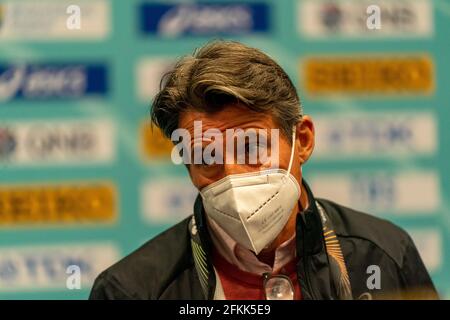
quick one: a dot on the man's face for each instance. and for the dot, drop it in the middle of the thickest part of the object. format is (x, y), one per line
(239, 117)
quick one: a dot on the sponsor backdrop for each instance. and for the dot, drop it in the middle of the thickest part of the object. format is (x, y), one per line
(84, 181)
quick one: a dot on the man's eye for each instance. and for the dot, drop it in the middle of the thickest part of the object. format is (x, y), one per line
(255, 148)
(206, 162)
(251, 147)
(212, 158)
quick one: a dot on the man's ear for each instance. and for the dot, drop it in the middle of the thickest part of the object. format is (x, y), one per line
(305, 138)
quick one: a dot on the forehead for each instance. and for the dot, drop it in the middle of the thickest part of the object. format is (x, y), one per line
(230, 117)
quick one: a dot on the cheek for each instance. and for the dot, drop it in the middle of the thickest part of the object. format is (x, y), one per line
(199, 178)
(285, 155)
(296, 171)
(195, 177)
(296, 166)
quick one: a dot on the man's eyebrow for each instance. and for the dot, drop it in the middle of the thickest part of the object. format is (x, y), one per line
(193, 142)
(260, 133)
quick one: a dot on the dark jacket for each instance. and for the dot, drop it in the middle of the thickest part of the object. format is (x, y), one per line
(176, 264)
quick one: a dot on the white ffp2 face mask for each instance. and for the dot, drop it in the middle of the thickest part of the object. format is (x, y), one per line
(253, 207)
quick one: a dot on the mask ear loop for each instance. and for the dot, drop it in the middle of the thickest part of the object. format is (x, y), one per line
(292, 150)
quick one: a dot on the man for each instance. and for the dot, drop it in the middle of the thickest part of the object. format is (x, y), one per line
(257, 232)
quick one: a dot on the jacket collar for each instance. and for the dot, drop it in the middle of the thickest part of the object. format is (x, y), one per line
(309, 227)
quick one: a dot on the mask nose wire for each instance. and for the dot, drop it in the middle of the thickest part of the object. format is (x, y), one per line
(292, 150)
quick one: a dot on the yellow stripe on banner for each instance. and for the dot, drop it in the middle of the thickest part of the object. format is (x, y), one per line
(57, 203)
(368, 75)
(154, 145)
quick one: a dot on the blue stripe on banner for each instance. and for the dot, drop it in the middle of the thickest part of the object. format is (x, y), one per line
(203, 18)
(43, 81)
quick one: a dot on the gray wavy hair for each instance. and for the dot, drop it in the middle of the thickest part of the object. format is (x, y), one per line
(222, 73)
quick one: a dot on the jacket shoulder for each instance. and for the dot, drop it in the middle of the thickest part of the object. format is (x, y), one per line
(350, 223)
(148, 271)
